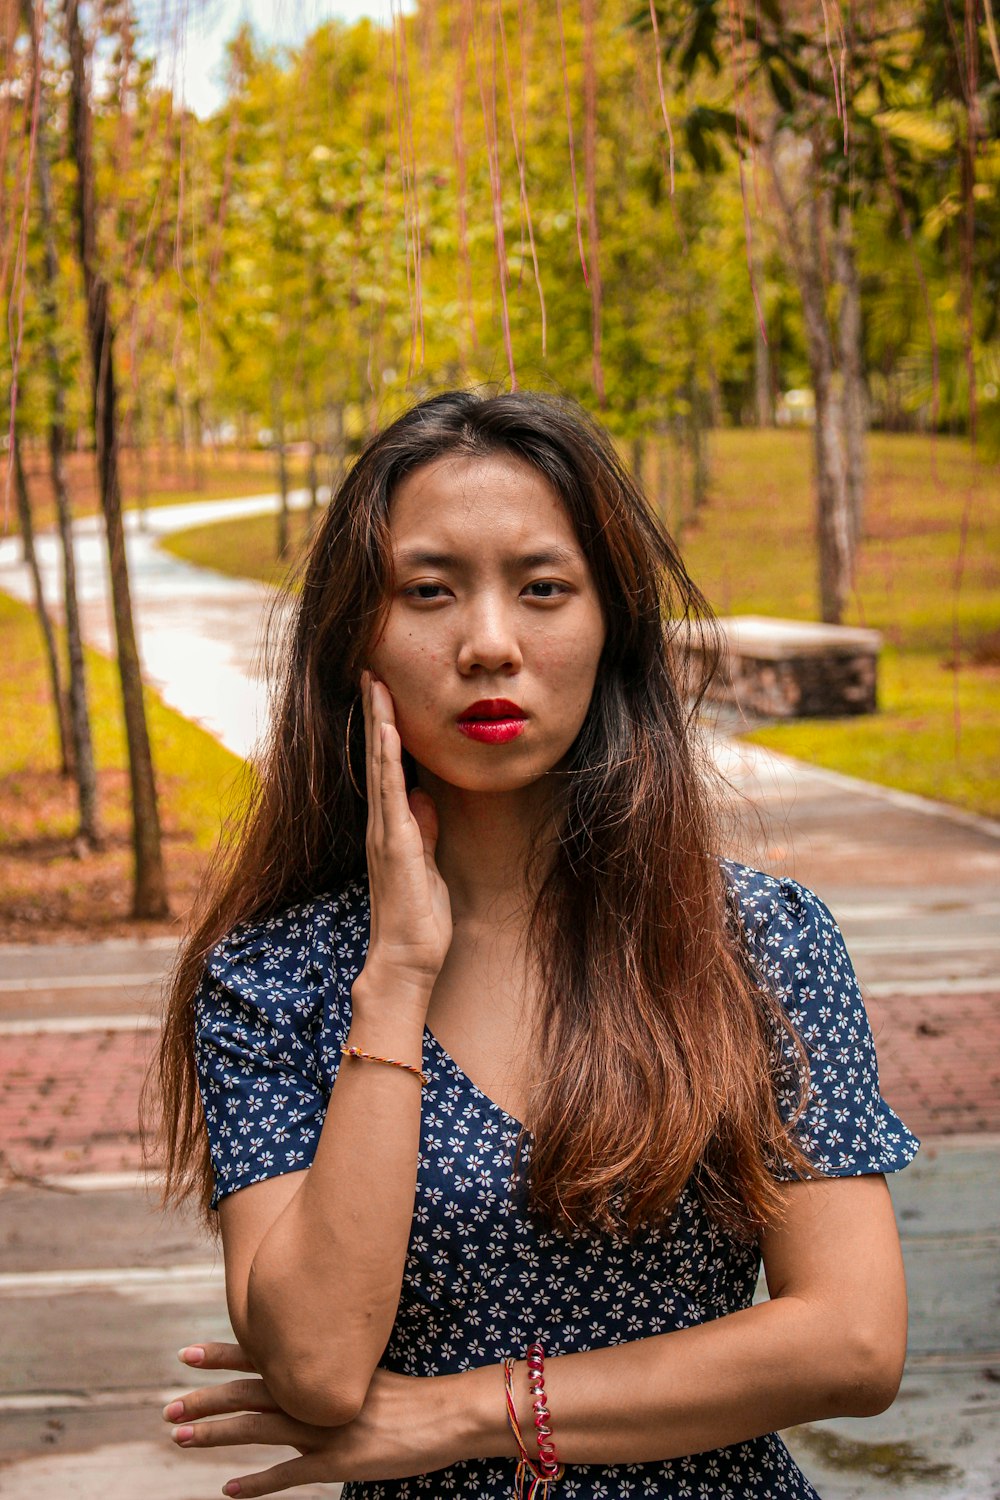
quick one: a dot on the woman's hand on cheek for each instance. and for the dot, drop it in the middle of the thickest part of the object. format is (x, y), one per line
(394, 1435)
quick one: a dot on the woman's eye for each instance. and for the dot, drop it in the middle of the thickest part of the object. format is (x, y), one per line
(425, 591)
(545, 588)
(430, 593)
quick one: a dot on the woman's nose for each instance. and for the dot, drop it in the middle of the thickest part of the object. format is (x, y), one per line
(489, 639)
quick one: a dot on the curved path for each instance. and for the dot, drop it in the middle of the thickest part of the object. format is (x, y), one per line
(200, 632)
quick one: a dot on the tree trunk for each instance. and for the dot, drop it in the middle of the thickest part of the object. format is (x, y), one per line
(150, 888)
(661, 485)
(638, 460)
(697, 426)
(763, 408)
(679, 487)
(338, 451)
(84, 767)
(41, 609)
(279, 443)
(313, 479)
(855, 396)
(834, 527)
(198, 424)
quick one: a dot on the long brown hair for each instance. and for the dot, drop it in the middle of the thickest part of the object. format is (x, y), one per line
(658, 1043)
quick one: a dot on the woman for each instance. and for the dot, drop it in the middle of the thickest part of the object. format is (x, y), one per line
(596, 1071)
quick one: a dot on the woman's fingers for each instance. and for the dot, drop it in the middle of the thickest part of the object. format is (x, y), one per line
(374, 762)
(366, 709)
(214, 1356)
(276, 1429)
(395, 808)
(286, 1476)
(392, 782)
(214, 1400)
(273, 1431)
(410, 922)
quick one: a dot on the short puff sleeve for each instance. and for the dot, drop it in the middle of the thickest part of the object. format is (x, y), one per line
(271, 1012)
(846, 1128)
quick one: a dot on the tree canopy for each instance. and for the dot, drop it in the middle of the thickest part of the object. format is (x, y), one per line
(563, 195)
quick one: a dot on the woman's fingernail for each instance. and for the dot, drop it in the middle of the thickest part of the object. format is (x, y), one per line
(192, 1356)
(232, 1488)
(174, 1411)
(183, 1435)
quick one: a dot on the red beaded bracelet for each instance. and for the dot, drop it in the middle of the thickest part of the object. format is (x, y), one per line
(535, 1476)
(548, 1458)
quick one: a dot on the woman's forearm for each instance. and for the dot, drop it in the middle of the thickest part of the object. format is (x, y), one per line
(325, 1281)
(755, 1371)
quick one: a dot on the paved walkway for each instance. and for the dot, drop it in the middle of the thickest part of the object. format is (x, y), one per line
(69, 1086)
(916, 888)
(200, 633)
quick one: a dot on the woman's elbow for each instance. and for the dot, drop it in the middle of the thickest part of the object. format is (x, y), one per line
(313, 1395)
(322, 1407)
(872, 1373)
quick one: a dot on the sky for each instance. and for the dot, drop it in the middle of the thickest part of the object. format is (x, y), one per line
(189, 36)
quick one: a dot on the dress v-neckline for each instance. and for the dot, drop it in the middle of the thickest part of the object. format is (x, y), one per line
(442, 1050)
(463, 1075)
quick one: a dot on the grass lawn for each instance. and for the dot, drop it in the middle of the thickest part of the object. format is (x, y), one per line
(46, 889)
(935, 599)
(245, 548)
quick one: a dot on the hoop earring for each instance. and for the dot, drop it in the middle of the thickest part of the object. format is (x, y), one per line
(347, 752)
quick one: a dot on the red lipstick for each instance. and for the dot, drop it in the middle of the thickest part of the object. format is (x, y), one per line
(492, 721)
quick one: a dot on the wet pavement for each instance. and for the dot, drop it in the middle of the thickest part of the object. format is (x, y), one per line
(201, 634)
(98, 1288)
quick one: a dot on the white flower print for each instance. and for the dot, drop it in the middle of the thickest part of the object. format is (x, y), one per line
(481, 1280)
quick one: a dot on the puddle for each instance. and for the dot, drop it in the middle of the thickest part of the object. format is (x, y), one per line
(893, 1461)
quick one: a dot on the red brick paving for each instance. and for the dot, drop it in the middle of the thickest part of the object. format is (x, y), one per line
(939, 1060)
(68, 1101)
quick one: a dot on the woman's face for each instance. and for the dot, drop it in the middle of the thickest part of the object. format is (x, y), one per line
(494, 629)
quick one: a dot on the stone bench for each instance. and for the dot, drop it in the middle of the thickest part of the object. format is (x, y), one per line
(796, 669)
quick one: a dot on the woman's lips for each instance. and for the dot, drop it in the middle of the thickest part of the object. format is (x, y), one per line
(492, 721)
(492, 731)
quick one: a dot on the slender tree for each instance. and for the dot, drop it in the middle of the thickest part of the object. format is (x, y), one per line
(26, 524)
(150, 888)
(852, 374)
(788, 104)
(84, 768)
(805, 209)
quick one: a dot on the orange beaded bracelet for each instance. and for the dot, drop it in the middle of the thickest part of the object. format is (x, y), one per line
(393, 1062)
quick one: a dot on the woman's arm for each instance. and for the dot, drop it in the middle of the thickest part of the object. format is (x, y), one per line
(314, 1260)
(831, 1341)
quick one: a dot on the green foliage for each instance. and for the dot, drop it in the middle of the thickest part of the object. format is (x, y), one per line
(327, 244)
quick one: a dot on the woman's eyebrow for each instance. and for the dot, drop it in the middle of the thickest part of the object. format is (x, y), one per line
(420, 557)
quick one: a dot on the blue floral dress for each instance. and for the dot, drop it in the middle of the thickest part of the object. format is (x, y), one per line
(481, 1281)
